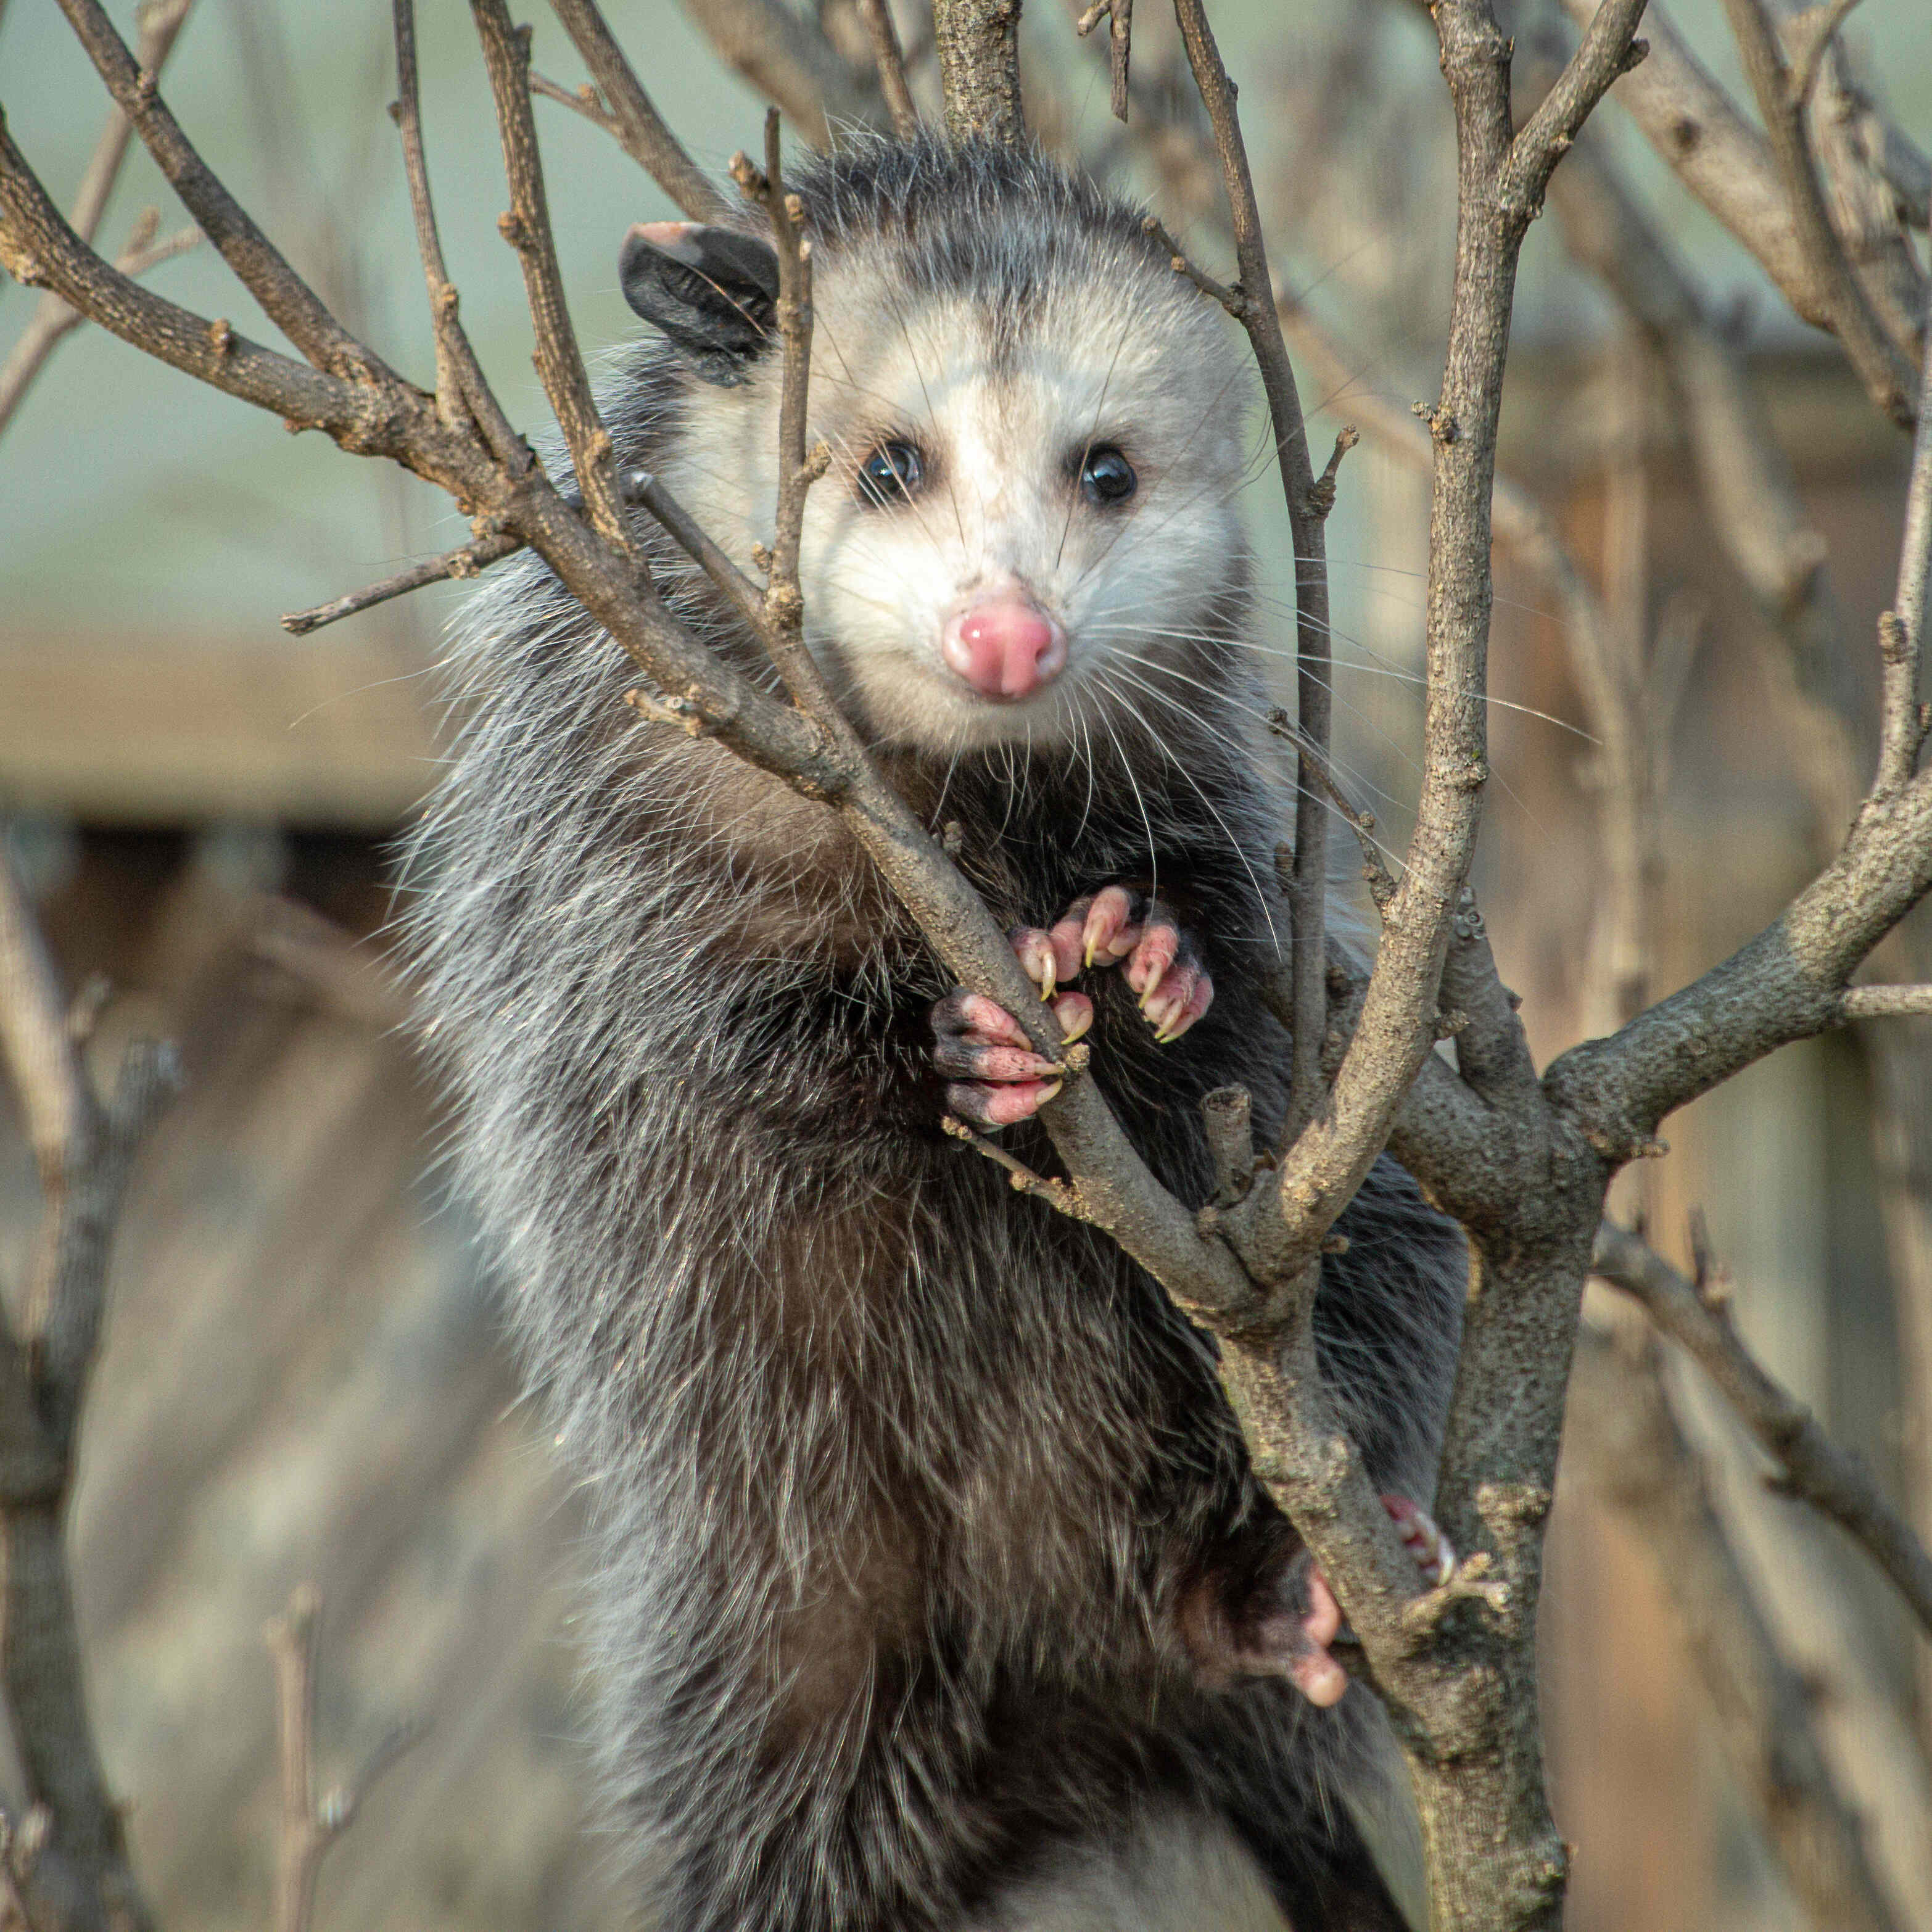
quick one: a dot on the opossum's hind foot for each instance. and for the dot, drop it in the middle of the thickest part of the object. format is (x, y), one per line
(1312, 1671)
(1287, 1634)
(995, 1077)
(1434, 1556)
(1114, 927)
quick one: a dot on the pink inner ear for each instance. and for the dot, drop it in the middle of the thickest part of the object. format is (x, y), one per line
(664, 234)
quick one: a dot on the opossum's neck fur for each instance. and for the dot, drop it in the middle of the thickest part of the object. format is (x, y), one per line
(897, 1474)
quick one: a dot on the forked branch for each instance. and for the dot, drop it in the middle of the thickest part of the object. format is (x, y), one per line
(1696, 1315)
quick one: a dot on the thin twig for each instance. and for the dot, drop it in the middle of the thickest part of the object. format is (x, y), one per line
(877, 15)
(1904, 719)
(624, 109)
(462, 393)
(1056, 1193)
(309, 1825)
(526, 227)
(1876, 358)
(1251, 302)
(1881, 1002)
(1834, 1481)
(466, 560)
(799, 469)
(1119, 15)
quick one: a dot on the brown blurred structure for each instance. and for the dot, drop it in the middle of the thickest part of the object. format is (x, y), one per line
(303, 1377)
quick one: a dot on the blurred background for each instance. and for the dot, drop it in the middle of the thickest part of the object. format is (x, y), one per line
(303, 1376)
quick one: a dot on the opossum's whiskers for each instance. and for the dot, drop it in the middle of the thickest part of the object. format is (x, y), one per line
(1419, 576)
(1213, 811)
(1093, 429)
(1078, 714)
(1380, 668)
(1127, 766)
(1140, 528)
(1151, 631)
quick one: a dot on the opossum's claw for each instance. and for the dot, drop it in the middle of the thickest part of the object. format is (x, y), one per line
(1050, 957)
(1163, 965)
(1099, 930)
(995, 1077)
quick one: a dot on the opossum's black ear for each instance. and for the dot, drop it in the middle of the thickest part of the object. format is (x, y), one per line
(712, 291)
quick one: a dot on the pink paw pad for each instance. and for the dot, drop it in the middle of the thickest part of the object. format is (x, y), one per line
(1114, 927)
(995, 1078)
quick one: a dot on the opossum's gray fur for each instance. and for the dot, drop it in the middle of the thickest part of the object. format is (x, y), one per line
(898, 1477)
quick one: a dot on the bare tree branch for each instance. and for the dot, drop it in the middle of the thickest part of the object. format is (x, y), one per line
(469, 559)
(628, 115)
(1696, 1315)
(160, 22)
(1807, 37)
(1119, 15)
(877, 15)
(289, 302)
(1732, 168)
(506, 53)
(309, 1825)
(1881, 366)
(1863, 206)
(1638, 1459)
(789, 61)
(1904, 721)
(979, 43)
(798, 469)
(1251, 302)
(1718, 155)
(1874, 1003)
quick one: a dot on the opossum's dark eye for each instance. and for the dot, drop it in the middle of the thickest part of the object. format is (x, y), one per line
(1107, 476)
(890, 474)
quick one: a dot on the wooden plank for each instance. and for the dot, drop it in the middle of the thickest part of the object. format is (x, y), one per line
(330, 734)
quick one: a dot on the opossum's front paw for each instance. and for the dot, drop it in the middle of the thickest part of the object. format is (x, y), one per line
(1311, 1669)
(995, 1077)
(1158, 958)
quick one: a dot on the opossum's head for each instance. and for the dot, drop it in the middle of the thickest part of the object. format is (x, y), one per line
(1036, 430)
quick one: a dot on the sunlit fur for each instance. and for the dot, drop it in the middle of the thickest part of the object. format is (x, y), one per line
(906, 1489)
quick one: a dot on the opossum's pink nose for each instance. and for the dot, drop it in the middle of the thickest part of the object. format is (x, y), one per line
(1005, 647)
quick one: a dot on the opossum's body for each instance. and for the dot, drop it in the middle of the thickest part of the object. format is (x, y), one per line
(904, 1484)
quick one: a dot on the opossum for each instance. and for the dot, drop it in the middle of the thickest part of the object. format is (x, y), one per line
(933, 1590)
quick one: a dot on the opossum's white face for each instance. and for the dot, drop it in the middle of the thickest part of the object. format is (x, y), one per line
(1029, 517)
